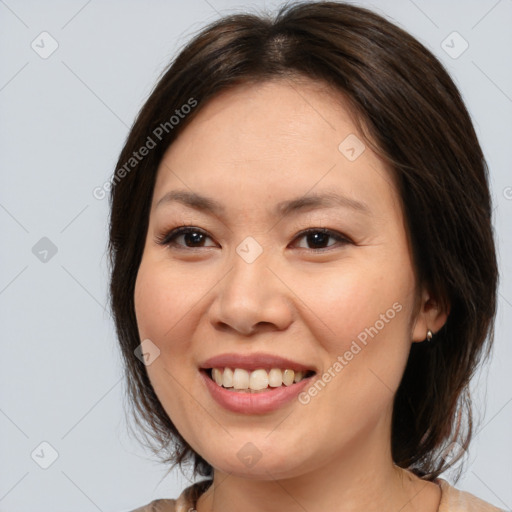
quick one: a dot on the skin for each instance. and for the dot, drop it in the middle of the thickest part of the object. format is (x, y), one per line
(250, 148)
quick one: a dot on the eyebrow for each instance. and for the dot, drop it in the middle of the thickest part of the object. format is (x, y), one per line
(304, 203)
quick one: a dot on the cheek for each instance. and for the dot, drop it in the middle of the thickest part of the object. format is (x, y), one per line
(163, 313)
(361, 321)
(163, 299)
(358, 304)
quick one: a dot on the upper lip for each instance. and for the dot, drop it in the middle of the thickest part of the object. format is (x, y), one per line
(253, 362)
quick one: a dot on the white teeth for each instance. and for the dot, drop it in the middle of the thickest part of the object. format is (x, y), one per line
(217, 376)
(288, 376)
(275, 378)
(227, 378)
(240, 379)
(256, 380)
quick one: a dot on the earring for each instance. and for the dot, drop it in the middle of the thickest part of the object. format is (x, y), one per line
(430, 334)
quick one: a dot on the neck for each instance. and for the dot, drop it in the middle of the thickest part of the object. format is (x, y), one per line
(358, 480)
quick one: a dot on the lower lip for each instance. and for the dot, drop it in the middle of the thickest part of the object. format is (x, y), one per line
(254, 403)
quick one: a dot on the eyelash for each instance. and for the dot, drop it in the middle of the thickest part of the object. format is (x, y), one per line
(167, 238)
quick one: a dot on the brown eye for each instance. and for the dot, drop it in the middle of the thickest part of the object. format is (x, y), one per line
(318, 238)
(185, 237)
(190, 237)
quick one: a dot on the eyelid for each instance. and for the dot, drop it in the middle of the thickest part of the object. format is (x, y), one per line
(340, 237)
(167, 237)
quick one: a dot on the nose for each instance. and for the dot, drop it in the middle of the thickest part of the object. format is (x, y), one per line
(252, 298)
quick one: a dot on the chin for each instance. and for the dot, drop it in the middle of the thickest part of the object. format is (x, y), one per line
(254, 461)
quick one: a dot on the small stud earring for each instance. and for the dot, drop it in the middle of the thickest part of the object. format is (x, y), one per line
(430, 334)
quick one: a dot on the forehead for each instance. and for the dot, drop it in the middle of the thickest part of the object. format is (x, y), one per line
(265, 111)
(278, 139)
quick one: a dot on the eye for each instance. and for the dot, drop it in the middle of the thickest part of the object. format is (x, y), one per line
(191, 236)
(319, 237)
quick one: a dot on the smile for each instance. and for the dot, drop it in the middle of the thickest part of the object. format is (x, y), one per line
(256, 381)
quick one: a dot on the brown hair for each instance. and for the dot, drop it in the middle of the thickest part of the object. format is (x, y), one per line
(415, 119)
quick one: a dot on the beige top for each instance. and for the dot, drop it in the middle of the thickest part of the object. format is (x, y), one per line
(452, 500)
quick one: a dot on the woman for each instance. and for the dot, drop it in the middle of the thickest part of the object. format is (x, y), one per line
(303, 266)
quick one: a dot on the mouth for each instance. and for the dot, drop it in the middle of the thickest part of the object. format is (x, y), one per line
(257, 383)
(259, 380)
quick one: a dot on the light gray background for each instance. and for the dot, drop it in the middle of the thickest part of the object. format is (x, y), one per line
(63, 121)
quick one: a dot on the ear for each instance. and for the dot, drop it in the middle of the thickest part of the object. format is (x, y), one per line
(430, 316)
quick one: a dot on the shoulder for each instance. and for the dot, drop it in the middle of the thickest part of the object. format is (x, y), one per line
(186, 501)
(157, 506)
(452, 500)
(455, 500)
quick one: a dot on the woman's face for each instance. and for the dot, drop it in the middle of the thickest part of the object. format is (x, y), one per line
(245, 281)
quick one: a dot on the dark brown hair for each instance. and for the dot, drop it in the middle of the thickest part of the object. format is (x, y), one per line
(411, 113)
